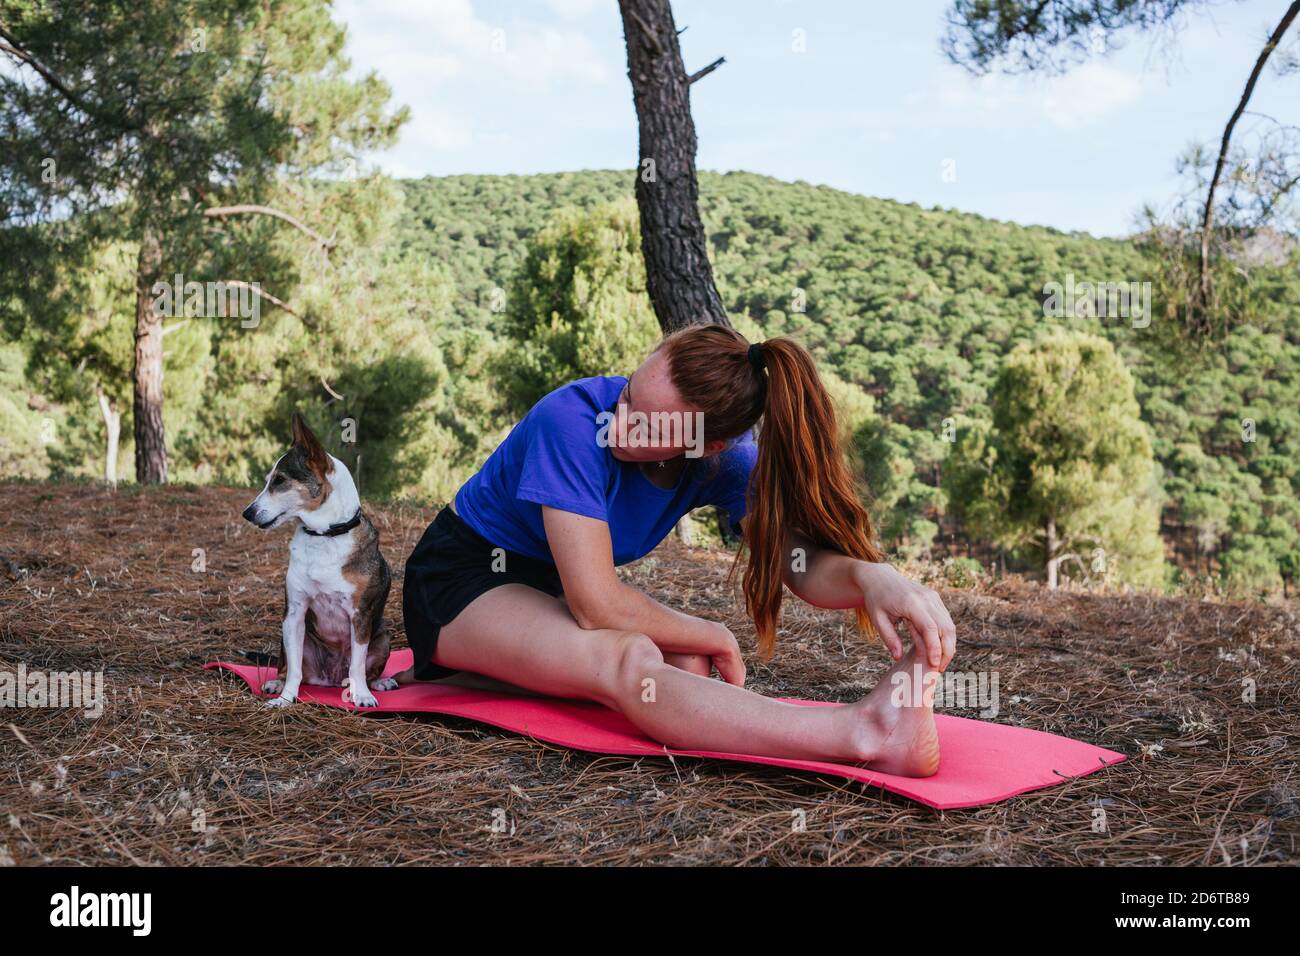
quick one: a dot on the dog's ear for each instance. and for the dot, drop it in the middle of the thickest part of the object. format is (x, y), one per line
(313, 452)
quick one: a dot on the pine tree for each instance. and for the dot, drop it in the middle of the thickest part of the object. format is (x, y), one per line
(1064, 472)
(176, 118)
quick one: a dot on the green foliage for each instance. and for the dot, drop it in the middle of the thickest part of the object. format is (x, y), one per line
(1065, 466)
(24, 431)
(1289, 567)
(578, 305)
(913, 309)
(176, 124)
(962, 572)
(1046, 34)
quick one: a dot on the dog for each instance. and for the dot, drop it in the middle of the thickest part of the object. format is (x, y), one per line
(338, 581)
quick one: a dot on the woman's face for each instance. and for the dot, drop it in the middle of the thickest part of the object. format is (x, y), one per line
(650, 398)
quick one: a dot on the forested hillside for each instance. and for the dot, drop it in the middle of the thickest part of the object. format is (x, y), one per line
(914, 310)
(918, 308)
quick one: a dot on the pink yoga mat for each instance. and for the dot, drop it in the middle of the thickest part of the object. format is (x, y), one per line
(981, 762)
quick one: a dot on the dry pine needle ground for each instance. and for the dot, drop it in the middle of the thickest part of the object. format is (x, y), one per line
(186, 767)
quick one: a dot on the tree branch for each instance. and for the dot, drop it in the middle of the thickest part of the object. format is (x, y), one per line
(14, 49)
(326, 385)
(707, 70)
(221, 212)
(1278, 195)
(1207, 219)
(237, 284)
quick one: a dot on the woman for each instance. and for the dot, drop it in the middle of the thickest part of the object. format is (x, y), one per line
(515, 580)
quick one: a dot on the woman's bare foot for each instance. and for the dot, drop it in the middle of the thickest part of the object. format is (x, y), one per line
(897, 720)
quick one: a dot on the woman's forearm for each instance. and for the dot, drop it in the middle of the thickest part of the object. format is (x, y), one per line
(826, 578)
(821, 576)
(625, 608)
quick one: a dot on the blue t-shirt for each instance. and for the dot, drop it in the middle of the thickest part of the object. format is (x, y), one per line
(552, 457)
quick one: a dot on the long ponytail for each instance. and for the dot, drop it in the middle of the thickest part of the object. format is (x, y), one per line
(801, 480)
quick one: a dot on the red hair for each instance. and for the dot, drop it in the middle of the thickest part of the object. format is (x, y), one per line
(801, 480)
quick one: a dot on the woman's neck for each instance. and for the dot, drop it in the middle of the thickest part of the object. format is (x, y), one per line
(664, 474)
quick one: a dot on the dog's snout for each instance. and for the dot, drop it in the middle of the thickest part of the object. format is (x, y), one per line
(250, 513)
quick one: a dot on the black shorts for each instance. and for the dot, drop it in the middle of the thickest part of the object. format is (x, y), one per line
(451, 566)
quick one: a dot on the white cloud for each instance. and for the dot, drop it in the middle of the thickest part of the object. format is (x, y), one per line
(467, 78)
(412, 43)
(573, 9)
(1077, 99)
(1088, 94)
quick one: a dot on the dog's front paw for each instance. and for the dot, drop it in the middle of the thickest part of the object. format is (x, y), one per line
(273, 687)
(358, 697)
(280, 701)
(384, 683)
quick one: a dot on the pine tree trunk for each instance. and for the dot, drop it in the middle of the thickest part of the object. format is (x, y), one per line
(679, 278)
(1052, 547)
(686, 531)
(147, 373)
(112, 431)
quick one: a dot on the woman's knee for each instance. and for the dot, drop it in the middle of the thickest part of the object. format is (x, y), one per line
(633, 658)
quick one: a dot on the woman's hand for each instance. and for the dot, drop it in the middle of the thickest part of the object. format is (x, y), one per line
(726, 658)
(720, 645)
(890, 597)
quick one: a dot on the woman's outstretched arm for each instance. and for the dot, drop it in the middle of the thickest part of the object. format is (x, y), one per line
(826, 578)
(598, 600)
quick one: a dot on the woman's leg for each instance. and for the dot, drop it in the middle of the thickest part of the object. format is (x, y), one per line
(517, 634)
(700, 664)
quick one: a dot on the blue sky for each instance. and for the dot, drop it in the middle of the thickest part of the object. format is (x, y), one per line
(870, 105)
